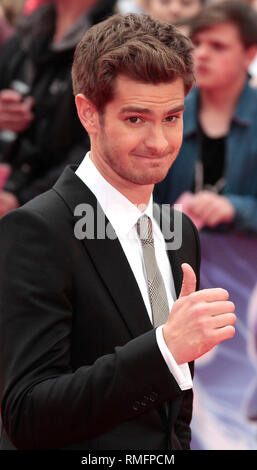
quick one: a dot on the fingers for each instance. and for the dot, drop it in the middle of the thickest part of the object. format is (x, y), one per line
(11, 100)
(198, 320)
(217, 307)
(210, 295)
(16, 124)
(221, 321)
(15, 115)
(212, 208)
(222, 334)
(189, 280)
(19, 107)
(10, 96)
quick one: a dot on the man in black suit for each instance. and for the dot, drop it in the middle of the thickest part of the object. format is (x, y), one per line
(81, 365)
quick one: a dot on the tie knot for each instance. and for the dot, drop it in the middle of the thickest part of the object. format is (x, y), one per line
(144, 230)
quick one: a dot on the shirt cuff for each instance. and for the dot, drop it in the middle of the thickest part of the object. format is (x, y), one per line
(181, 372)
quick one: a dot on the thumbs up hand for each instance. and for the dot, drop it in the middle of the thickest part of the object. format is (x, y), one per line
(198, 320)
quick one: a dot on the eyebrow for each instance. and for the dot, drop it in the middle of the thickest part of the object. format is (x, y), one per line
(138, 109)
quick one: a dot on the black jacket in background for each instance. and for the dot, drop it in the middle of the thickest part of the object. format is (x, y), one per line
(56, 136)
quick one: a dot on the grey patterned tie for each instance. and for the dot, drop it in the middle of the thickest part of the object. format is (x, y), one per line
(156, 288)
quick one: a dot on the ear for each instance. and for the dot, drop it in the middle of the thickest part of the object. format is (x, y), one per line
(251, 52)
(87, 113)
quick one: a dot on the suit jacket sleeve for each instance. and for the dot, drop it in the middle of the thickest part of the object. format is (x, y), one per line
(46, 404)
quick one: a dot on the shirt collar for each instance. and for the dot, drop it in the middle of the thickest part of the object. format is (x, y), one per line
(122, 213)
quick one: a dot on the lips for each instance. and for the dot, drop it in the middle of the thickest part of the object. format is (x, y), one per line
(150, 157)
(201, 69)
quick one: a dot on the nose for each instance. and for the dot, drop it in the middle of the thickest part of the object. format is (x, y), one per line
(201, 51)
(174, 10)
(156, 141)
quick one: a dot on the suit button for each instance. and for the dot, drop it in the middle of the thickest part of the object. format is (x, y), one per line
(136, 406)
(153, 396)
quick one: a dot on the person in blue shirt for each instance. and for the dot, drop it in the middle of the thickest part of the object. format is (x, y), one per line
(215, 174)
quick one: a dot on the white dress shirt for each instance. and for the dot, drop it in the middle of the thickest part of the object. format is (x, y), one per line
(123, 216)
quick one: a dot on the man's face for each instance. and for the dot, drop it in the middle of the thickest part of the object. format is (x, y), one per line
(140, 133)
(172, 10)
(220, 56)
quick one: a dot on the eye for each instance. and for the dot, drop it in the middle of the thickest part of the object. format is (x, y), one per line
(134, 119)
(218, 46)
(172, 118)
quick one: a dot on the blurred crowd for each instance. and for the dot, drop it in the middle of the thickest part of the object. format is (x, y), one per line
(215, 175)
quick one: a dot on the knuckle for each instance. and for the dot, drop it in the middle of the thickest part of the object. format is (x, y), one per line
(225, 293)
(203, 325)
(199, 310)
(231, 331)
(230, 319)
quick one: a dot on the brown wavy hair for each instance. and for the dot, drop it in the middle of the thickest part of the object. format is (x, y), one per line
(133, 45)
(239, 13)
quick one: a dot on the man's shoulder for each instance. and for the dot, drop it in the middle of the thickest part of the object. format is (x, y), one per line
(48, 204)
(45, 213)
(52, 213)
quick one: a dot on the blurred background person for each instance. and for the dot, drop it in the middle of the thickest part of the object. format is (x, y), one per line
(39, 129)
(173, 10)
(6, 29)
(10, 11)
(253, 66)
(215, 174)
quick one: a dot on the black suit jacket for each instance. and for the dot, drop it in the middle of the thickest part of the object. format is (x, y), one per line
(79, 366)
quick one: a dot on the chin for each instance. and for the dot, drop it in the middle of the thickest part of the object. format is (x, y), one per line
(153, 177)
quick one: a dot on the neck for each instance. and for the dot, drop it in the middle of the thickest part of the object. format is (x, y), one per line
(222, 98)
(67, 12)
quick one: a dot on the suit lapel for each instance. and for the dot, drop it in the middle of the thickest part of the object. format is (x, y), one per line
(107, 256)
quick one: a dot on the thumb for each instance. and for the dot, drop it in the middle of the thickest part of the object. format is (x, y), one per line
(189, 280)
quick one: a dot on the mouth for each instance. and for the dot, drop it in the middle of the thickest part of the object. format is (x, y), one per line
(201, 69)
(150, 157)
